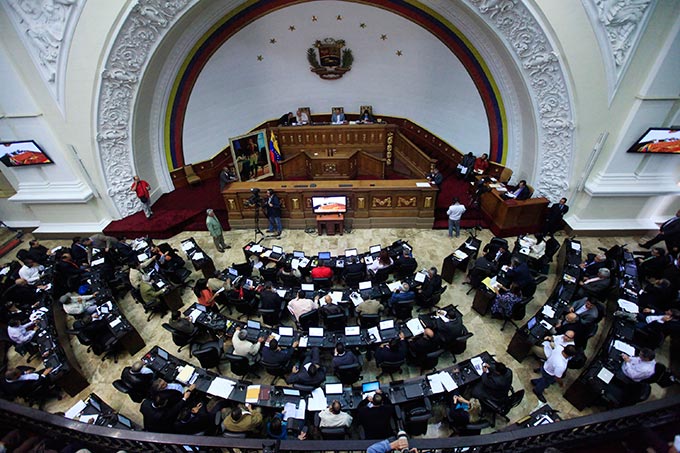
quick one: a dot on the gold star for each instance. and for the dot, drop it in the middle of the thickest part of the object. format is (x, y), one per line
(259, 58)
(362, 25)
(399, 53)
(339, 17)
(383, 37)
(314, 19)
(291, 28)
(272, 41)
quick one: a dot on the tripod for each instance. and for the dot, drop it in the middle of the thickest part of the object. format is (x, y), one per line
(475, 205)
(257, 223)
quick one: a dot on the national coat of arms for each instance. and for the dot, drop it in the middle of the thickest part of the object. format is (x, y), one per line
(332, 61)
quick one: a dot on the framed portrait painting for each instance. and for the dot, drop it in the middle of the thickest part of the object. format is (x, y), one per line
(251, 156)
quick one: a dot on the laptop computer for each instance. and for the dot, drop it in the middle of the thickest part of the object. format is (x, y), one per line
(298, 254)
(308, 288)
(233, 273)
(369, 388)
(374, 250)
(413, 390)
(334, 389)
(286, 336)
(365, 289)
(324, 256)
(316, 336)
(253, 330)
(352, 336)
(350, 252)
(159, 360)
(387, 330)
(277, 252)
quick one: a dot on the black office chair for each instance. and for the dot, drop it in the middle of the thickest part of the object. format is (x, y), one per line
(519, 311)
(335, 322)
(289, 280)
(403, 309)
(209, 354)
(417, 416)
(181, 339)
(503, 407)
(368, 321)
(459, 345)
(390, 368)
(247, 307)
(268, 274)
(349, 374)
(244, 269)
(309, 319)
(304, 387)
(433, 300)
(353, 279)
(240, 365)
(276, 370)
(339, 433)
(322, 283)
(381, 275)
(430, 361)
(122, 387)
(270, 316)
(403, 272)
(470, 429)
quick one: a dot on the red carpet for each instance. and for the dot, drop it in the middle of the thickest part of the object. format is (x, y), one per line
(180, 210)
(453, 187)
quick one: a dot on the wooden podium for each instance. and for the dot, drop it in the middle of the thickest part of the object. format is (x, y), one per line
(512, 217)
(332, 223)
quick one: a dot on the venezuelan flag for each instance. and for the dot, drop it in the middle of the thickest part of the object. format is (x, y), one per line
(274, 151)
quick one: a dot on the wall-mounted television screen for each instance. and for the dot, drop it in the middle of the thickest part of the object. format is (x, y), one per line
(329, 205)
(658, 140)
(23, 153)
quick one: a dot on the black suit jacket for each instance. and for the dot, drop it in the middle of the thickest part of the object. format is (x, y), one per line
(430, 286)
(386, 354)
(494, 386)
(160, 420)
(376, 421)
(421, 346)
(270, 300)
(274, 357)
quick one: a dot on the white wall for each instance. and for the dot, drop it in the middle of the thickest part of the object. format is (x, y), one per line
(427, 84)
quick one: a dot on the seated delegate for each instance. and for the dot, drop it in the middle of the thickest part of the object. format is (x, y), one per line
(519, 192)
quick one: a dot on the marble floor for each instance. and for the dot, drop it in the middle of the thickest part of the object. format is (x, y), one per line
(430, 248)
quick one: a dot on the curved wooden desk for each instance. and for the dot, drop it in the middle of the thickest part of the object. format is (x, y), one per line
(512, 217)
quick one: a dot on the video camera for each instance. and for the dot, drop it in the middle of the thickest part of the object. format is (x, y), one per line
(255, 198)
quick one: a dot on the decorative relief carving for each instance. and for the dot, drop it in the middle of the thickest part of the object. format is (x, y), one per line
(140, 33)
(406, 202)
(384, 202)
(621, 19)
(428, 202)
(514, 23)
(361, 203)
(232, 204)
(43, 27)
(296, 203)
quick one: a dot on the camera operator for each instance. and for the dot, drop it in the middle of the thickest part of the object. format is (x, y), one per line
(385, 446)
(274, 213)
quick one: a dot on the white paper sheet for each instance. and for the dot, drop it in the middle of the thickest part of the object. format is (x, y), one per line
(548, 311)
(628, 306)
(75, 409)
(195, 313)
(317, 400)
(89, 418)
(198, 256)
(291, 410)
(394, 285)
(186, 246)
(303, 341)
(477, 363)
(221, 387)
(436, 383)
(624, 347)
(460, 254)
(447, 381)
(415, 326)
(336, 296)
(374, 333)
(422, 184)
(281, 292)
(115, 322)
(605, 375)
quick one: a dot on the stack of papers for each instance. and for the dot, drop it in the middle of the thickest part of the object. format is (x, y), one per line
(394, 286)
(185, 374)
(575, 246)
(624, 347)
(422, 184)
(74, 411)
(317, 400)
(477, 363)
(253, 394)
(303, 341)
(548, 311)
(336, 296)
(290, 410)
(460, 255)
(628, 306)
(441, 382)
(605, 375)
(186, 246)
(266, 254)
(221, 387)
(256, 248)
(374, 334)
(198, 256)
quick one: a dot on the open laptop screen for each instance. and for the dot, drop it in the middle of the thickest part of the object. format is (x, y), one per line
(374, 249)
(351, 252)
(364, 285)
(370, 386)
(324, 255)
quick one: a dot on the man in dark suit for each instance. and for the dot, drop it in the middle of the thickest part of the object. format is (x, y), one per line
(138, 377)
(572, 322)
(406, 262)
(354, 266)
(520, 192)
(653, 265)
(447, 332)
(269, 298)
(495, 383)
(343, 357)
(160, 414)
(420, 346)
(585, 309)
(394, 351)
(274, 355)
(375, 414)
(595, 286)
(309, 372)
(590, 267)
(669, 231)
(432, 284)
(553, 221)
(79, 251)
(520, 274)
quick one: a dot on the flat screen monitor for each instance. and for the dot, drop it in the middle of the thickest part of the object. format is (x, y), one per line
(255, 325)
(307, 287)
(286, 331)
(22, 154)
(387, 324)
(658, 140)
(277, 249)
(531, 323)
(329, 205)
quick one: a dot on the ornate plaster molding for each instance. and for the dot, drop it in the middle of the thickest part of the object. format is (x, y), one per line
(141, 31)
(46, 27)
(546, 82)
(618, 26)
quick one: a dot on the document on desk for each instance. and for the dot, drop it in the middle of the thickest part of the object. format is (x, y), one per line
(221, 387)
(422, 184)
(186, 246)
(256, 248)
(91, 419)
(317, 400)
(75, 409)
(266, 254)
(252, 394)
(303, 341)
(290, 410)
(460, 254)
(415, 326)
(185, 374)
(447, 381)
(115, 322)
(198, 256)
(336, 296)
(374, 334)
(435, 383)
(548, 311)
(195, 313)
(394, 285)
(628, 306)
(605, 375)
(624, 347)
(295, 263)
(477, 363)
(281, 292)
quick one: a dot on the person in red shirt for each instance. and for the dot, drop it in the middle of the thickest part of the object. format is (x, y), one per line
(205, 295)
(141, 188)
(322, 271)
(482, 164)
